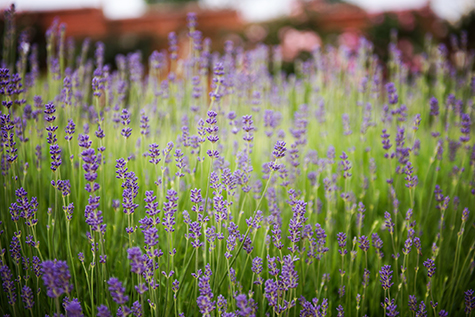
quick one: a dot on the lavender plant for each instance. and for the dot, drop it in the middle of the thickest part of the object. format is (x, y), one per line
(228, 199)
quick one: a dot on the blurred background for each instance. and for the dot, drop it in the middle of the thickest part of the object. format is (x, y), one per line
(297, 26)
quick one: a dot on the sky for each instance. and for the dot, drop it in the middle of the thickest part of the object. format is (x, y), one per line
(251, 10)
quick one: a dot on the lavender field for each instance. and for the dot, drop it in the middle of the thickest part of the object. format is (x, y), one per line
(216, 185)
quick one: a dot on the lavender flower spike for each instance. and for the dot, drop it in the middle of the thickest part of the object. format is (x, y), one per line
(117, 291)
(56, 278)
(386, 277)
(430, 265)
(279, 150)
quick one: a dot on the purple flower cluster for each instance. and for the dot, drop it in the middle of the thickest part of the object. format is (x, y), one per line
(24, 208)
(386, 276)
(117, 291)
(56, 277)
(54, 149)
(296, 224)
(250, 217)
(8, 284)
(430, 265)
(205, 301)
(169, 210)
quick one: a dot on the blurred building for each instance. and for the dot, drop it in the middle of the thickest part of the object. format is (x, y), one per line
(309, 23)
(155, 25)
(339, 16)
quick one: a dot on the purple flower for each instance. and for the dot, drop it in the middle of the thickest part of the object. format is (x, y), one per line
(296, 223)
(191, 20)
(365, 277)
(219, 70)
(205, 300)
(56, 277)
(141, 288)
(248, 127)
(136, 309)
(385, 277)
(149, 230)
(312, 309)
(100, 133)
(169, 210)
(123, 311)
(195, 233)
(83, 141)
(257, 269)
(126, 131)
(289, 275)
(90, 166)
(256, 265)
(151, 207)
(117, 291)
(272, 266)
(50, 109)
(121, 169)
(173, 45)
(221, 304)
(341, 289)
(417, 244)
(388, 222)
(271, 292)
(73, 308)
(70, 129)
(422, 312)
(390, 307)
(430, 265)
(27, 297)
(15, 249)
(231, 243)
(154, 153)
(130, 192)
(144, 124)
(392, 93)
(360, 215)
(244, 306)
(469, 301)
(212, 129)
(279, 150)
(341, 312)
(434, 106)
(363, 242)
(137, 260)
(417, 122)
(321, 239)
(407, 246)
(465, 214)
(465, 122)
(103, 311)
(346, 165)
(55, 152)
(64, 186)
(115, 204)
(195, 196)
(341, 237)
(24, 208)
(411, 179)
(93, 216)
(8, 284)
(412, 303)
